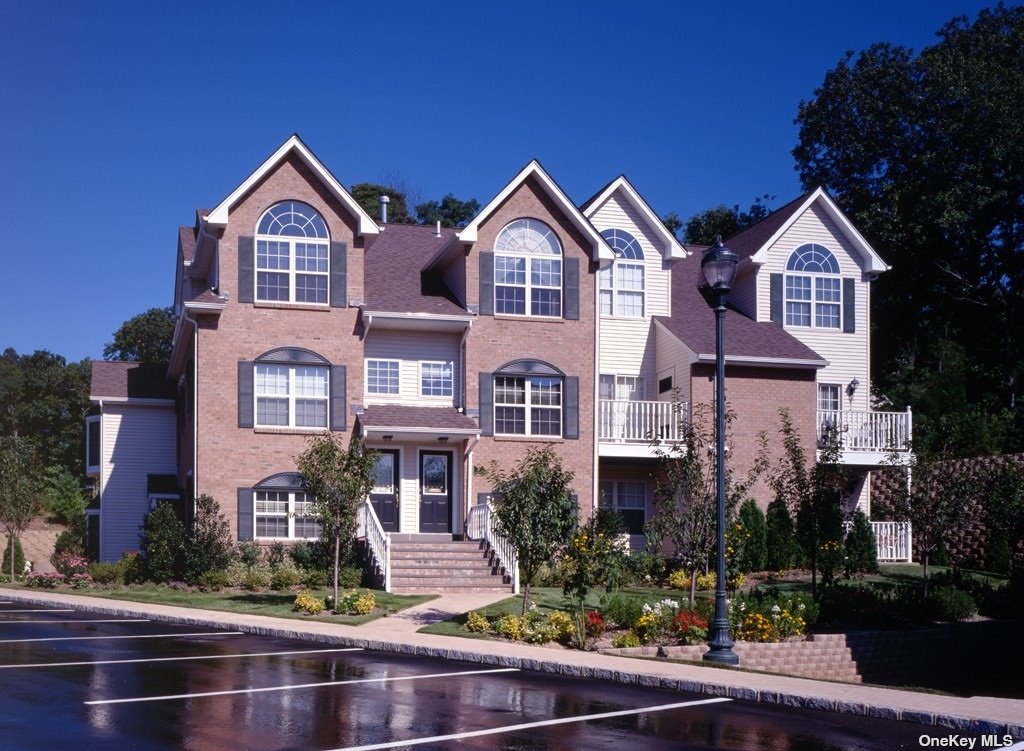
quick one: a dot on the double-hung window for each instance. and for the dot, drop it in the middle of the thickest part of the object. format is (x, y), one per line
(292, 255)
(629, 498)
(622, 284)
(813, 288)
(283, 514)
(291, 395)
(382, 376)
(436, 379)
(527, 405)
(528, 270)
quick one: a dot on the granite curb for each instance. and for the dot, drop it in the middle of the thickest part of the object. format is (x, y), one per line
(573, 664)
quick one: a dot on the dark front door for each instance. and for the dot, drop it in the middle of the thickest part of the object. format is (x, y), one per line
(384, 495)
(435, 491)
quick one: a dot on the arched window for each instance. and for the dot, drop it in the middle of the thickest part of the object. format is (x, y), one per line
(292, 254)
(813, 288)
(528, 399)
(622, 283)
(528, 270)
(291, 389)
(282, 509)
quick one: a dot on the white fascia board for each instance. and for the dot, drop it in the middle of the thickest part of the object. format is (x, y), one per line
(206, 307)
(219, 216)
(765, 362)
(600, 250)
(444, 317)
(132, 401)
(672, 249)
(873, 262)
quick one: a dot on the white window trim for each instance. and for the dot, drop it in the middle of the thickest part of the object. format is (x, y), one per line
(291, 514)
(614, 499)
(398, 378)
(556, 254)
(529, 406)
(608, 281)
(292, 271)
(292, 396)
(89, 468)
(449, 382)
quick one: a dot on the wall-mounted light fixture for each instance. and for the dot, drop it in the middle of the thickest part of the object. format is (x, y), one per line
(852, 386)
(387, 438)
(443, 439)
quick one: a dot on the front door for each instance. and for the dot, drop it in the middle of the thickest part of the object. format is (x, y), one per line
(435, 491)
(384, 495)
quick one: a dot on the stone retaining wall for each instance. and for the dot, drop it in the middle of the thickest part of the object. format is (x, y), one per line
(37, 543)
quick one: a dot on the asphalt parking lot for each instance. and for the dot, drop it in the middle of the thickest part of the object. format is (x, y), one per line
(80, 681)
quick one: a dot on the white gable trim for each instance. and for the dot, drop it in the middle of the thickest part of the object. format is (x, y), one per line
(599, 248)
(671, 248)
(873, 263)
(219, 216)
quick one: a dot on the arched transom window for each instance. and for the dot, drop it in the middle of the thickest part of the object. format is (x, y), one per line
(813, 288)
(292, 254)
(528, 270)
(622, 283)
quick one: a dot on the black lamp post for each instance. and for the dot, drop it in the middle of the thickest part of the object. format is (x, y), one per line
(719, 267)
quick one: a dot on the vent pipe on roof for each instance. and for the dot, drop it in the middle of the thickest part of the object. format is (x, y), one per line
(437, 233)
(384, 201)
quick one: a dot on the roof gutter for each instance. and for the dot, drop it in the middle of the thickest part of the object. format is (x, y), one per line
(765, 362)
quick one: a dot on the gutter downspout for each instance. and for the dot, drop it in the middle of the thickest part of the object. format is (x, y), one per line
(462, 368)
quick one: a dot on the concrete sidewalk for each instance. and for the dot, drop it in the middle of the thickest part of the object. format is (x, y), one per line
(397, 633)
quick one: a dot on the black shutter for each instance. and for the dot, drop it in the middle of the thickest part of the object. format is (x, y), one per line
(571, 408)
(245, 514)
(339, 275)
(486, 283)
(245, 394)
(572, 289)
(339, 407)
(775, 298)
(849, 306)
(246, 269)
(487, 404)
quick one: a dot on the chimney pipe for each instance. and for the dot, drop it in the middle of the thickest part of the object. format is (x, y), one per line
(384, 201)
(438, 232)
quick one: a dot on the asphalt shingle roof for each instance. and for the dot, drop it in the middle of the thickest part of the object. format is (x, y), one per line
(398, 416)
(394, 281)
(129, 380)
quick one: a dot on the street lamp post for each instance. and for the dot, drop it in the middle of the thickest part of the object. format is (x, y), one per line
(719, 267)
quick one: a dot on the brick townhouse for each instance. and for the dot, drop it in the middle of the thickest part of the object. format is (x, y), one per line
(540, 322)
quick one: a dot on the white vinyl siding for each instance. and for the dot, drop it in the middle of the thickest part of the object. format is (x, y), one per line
(454, 276)
(675, 359)
(137, 441)
(626, 347)
(847, 354)
(409, 350)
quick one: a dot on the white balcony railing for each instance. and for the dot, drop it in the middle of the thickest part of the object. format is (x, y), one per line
(893, 541)
(864, 430)
(368, 527)
(480, 526)
(624, 421)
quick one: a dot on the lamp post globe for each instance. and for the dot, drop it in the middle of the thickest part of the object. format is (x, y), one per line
(719, 268)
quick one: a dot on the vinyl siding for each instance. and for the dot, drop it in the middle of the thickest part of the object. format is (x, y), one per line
(454, 275)
(137, 441)
(847, 354)
(627, 348)
(743, 295)
(410, 349)
(674, 358)
(409, 484)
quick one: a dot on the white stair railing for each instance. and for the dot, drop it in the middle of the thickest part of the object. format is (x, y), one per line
(625, 421)
(480, 526)
(379, 542)
(894, 542)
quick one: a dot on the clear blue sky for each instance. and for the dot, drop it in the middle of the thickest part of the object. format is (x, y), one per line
(118, 120)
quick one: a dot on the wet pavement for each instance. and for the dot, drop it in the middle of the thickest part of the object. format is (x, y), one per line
(78, 680)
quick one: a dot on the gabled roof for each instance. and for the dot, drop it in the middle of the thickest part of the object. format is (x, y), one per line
(129, 380)
(366, 224)
(693, 323)
(671, 247)
(393, 280)
(599, 248)
(755, 241)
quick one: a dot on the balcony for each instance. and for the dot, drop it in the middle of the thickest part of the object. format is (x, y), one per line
(627, 428)
(867, 437)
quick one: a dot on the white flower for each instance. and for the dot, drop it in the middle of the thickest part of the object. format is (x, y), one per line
(776, 609)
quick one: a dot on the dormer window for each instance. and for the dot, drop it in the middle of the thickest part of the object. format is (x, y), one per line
(292, 255)
(528, 270)
(813, 288)
(622, 283)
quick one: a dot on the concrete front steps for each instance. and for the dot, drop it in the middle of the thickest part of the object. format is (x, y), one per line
(424, 564)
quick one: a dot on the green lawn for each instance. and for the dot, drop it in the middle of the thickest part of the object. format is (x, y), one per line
(888, 574)
(276, 604)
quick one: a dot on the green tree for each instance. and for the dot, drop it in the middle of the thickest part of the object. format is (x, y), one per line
(21, 487)
(340, 479)
(1004, 508)
(162, 542)
(926, 155)
(209, 544)
(754, 554)
(721, 221)
(535, 510)
(63, 499)
(861, 547)
(147, 337)
(368, 196)
(780, 543)
(450, 211)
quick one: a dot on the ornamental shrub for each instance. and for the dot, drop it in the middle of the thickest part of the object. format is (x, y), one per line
(753, 556)
(365, 603)
(756, 627)
(595, 624)
(949, 604)
(626, 640)
(561, 625)
(213, 581)
(477, 623)
(679, 579)
(690, 627)
(309, 604)
(511, 627)
(19, 558)
(106, 573)
(285, 575)
(861, 549)
(257, 577)
(68, 564)
(780, 540)
(644, 569)
(250, 553)
(49, 580)
(275, 554)
(209, 544)
(162, 540)
(621, 610)
(132, 570)
(318, 578)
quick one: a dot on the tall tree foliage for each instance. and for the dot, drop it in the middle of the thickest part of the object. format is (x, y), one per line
(535, 510)
(368, 196)
(340, 479)
(21, 488)
(926, 154)
(450, 211)
(723, 221)
(147, 337)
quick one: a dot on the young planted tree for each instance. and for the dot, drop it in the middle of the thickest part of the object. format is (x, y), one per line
(754, 554)
(21, 488)
(535, 509)
(209, 543)
(780, 543)
(340, 479)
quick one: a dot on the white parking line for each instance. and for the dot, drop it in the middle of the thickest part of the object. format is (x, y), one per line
(129, 636)
(41, 610)
(528, 725)
(300, 685)
(72, 620)
(175, 659)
